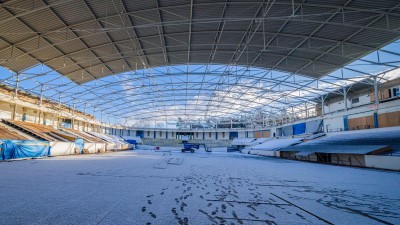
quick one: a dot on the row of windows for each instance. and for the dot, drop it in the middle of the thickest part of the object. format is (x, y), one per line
(173, 134)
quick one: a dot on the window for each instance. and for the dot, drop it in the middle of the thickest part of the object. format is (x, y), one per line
(160, 133)
(223, 134)
(396, 92)
(197, 135)
(148, 133)
(355, 100)
(209, 134)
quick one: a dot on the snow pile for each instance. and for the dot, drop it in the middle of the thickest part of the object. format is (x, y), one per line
(276, 144)
(243, 141)
(249, 141)
(109, 138)
(137, 139)
(381, 136)
(261, 140)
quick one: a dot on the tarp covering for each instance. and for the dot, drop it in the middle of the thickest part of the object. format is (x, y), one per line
(314, 126)
(276, 144)
(304, 150)
(299, 128)
(14, 149)
(79, 143)
(287, 131)
(133, 140)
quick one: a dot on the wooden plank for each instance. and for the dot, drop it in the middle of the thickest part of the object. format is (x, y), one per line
(370, 121)
(393, 119)
(383, 120)
(266, 134)
(258, 134)
(372, 97)
(385, 94)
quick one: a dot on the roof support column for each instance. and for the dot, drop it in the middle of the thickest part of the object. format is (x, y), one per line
(292, 117)
(306, 109)
(322, 106)
(14, 115)
(40, 103)
(345, 98)
(41, 95)
(73, 116)
(376, 90)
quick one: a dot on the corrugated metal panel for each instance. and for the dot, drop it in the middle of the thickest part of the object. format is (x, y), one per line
(73, 13)
(175, 14)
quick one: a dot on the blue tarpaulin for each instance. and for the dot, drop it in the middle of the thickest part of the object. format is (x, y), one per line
(79, 143)
(14, 149)
(299, 128)
(131, 141)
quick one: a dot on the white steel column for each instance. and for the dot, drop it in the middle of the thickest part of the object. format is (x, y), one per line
(345, 98)
(376, 90)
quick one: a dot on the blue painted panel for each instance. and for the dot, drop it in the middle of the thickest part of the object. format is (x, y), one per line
(299, 128)
(346, 123)
(376, 121)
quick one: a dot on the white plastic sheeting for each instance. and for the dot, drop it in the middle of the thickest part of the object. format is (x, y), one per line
(287, 130)
(243, 141)
(137, 139)
(383, 162)
(91, 148)
(109, 138)
(63, 148)
(313, 126)
(276, 144)
(264, 153)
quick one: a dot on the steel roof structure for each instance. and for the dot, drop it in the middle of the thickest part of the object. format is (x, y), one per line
(148, 59)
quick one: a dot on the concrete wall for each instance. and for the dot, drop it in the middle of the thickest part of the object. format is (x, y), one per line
(363, 100)
(223, 135)
(382, 162)
(209, 135)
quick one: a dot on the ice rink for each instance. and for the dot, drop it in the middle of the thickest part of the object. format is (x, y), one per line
(147, 187)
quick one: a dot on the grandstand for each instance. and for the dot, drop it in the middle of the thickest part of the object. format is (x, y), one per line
(306, 84)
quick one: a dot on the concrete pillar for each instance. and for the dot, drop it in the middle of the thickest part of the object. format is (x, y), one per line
(322, 105)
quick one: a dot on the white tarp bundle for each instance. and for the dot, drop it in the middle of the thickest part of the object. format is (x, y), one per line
(276, 144)
(63, 148)
(243, 141)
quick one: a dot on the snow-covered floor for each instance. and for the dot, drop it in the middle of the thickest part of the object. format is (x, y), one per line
(147, 187)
